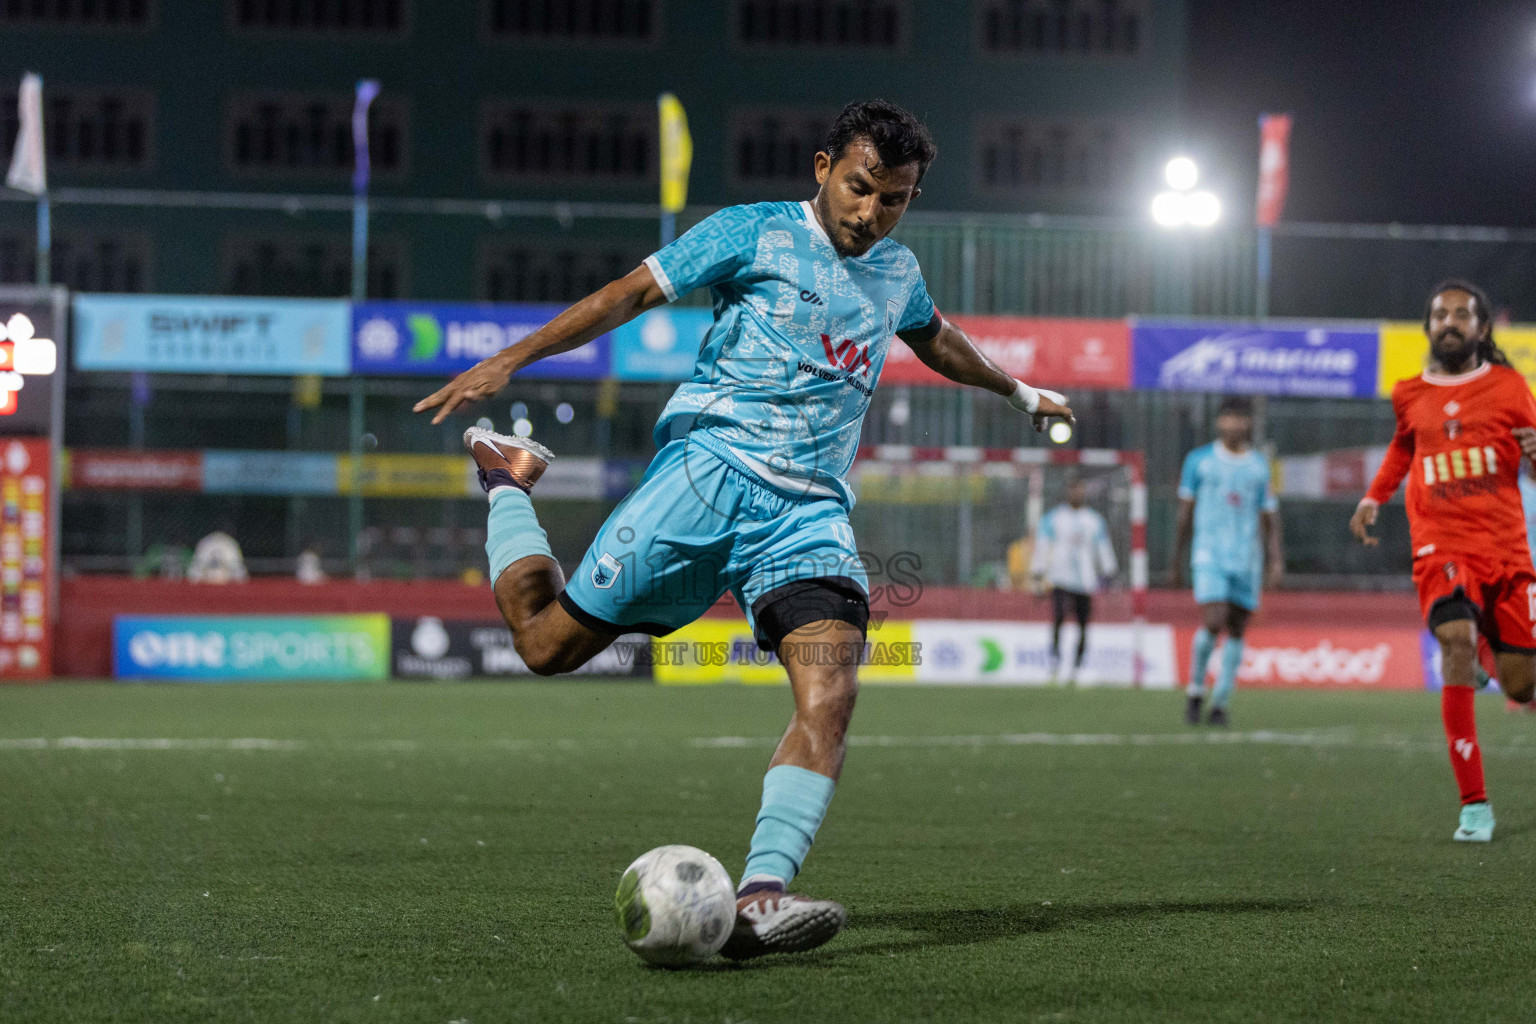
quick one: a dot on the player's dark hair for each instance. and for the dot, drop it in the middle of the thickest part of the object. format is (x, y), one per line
(898, 137)
(1236, 405)
(1487, 349)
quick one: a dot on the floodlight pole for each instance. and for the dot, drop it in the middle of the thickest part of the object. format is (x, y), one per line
(1264, 261)
(44, 241)
(367, 91)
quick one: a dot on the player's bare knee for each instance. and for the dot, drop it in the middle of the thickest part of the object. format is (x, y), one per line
(1517, 676)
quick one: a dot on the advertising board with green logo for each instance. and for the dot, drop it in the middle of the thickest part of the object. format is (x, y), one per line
(437, 339)
(226, 648)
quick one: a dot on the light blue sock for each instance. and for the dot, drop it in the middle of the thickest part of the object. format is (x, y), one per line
(794, 802)
(512, 531)
(1226, 679)
(1199, 660)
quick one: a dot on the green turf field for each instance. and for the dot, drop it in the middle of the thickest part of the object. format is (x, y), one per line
(396, 852)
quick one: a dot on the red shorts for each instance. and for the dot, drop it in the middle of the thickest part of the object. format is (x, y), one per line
(1499, 596)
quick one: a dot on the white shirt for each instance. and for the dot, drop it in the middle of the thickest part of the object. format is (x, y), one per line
(1073, 550)
(217, 559)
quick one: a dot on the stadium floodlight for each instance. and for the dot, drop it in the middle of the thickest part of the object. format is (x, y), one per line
(1181, 173)
(1170, 209)
(1202, 209)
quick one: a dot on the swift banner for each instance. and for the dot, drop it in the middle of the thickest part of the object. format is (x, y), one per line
(1255, 359)
(1054, 353)
(1404, 348)
(202, 334)
(435, 339)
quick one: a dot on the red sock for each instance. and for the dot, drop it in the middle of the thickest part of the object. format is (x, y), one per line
(1461, 735)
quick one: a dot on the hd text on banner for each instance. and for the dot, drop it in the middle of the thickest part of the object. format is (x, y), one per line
(437, 339)
(1404, 348)
(211, 334)
(1256, 359)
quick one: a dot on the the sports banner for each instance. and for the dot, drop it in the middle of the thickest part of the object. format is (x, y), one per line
(226, 648)
(439, 339)
(1057, 353)
(1256, 359)
(1274, 168)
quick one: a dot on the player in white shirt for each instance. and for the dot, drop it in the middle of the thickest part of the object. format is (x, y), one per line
(1074, 554)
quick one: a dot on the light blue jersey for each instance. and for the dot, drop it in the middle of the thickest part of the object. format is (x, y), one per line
(786, 373)
(1229, 492)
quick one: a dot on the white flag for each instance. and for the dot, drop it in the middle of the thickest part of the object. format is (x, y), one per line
(28, 172)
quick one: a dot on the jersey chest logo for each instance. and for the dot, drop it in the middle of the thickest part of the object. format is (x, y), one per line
(846, 355)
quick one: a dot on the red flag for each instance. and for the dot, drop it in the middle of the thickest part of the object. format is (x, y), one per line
(1274, 168)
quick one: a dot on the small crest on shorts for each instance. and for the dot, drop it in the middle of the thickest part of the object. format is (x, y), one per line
(606, 571)
(1450, 570)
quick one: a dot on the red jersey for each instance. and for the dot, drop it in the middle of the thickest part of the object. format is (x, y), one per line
(1454, 441)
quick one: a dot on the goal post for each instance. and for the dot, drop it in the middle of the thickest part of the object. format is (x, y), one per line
(958, 509)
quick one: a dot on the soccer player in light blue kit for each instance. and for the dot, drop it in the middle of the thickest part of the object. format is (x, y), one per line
(1225, 504)
(747, 493)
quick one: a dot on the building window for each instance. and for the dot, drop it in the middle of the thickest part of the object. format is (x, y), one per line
(561, 143)
(321, 17)
(544, 270)
(585, 20)
(1068, 158)
(311, 134)
(314, 266)
(774, 147)
(85, 261)
(76, 13)
(1068, 27)
(88, 129)
(876, 24)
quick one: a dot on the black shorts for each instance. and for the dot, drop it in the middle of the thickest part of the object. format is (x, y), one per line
(1063, 601)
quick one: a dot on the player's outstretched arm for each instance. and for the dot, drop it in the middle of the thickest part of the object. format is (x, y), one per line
(1183, 536)
(1274, 562)
(609, 307)
(950, 353)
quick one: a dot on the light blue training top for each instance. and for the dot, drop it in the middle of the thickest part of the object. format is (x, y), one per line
(785, 375)
(1229, 492)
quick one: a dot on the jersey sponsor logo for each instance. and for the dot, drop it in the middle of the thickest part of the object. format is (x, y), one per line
(1465, 748)
(1461, 464)
(846, 355)
(606, 572)
(809, 296)
(1452, 407)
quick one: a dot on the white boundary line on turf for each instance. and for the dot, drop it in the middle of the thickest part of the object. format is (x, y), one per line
(1264, 737)
(149, 743)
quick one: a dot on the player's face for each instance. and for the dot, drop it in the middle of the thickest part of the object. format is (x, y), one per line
(1234, 429)
(1077, 495)
(1455, 328)
(861, 199)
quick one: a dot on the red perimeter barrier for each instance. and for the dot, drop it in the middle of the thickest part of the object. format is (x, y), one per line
(88, 603)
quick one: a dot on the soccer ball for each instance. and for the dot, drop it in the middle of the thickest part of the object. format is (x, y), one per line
(675, 906)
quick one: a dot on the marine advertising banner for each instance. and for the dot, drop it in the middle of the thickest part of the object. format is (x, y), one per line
(212, 334)
(1255, 359)
(438, 339)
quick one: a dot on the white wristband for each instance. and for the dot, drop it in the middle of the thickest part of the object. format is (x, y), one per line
(1027, 399)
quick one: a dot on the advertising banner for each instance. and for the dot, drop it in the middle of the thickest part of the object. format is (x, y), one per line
(439, 339)
(257, 647)
(1053, 353)
(212, 334)
(724, 651)
(661, 344)
(126, 470)
(1019, 653)
(1324, 657)
(1404, 349)
(432, 648)
(26, 559)
(1315, 362)
(258, 472)
(30, 343)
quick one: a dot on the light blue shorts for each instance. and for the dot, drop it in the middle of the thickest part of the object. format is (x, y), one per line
(697, 527)
(1239, 588)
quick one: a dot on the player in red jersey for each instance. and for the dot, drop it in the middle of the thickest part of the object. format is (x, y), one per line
(1462, 429)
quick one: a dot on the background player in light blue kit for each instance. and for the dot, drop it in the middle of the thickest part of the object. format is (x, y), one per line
(1225, 504)
(747, 493)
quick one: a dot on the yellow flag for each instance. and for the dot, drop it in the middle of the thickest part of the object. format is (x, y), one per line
(676, 153)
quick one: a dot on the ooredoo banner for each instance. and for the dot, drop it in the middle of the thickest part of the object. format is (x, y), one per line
(1323, 657)
(1056, 353)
